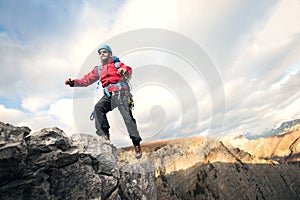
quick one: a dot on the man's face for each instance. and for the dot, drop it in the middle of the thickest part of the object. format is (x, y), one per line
(104, 55)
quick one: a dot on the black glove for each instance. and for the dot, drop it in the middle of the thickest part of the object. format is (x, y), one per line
(69, 82)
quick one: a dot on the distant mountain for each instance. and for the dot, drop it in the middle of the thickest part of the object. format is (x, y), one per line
(283, 147)
(270, 132)
(201, 168)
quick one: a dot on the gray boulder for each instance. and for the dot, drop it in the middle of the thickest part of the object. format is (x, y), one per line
(50, 165)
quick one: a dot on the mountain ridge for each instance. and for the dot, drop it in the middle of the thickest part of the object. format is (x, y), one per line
(283, 147)
(49, 164)
(203, 168)
(273, 131)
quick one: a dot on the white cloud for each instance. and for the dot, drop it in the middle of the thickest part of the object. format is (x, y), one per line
(33, 104)
(13, 116)
(291, 111)
(59, 114)
(146, 14)
(255, 47)
(272, 45)
(63, 109)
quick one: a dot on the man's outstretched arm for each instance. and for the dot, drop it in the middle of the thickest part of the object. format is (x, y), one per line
(87, 80)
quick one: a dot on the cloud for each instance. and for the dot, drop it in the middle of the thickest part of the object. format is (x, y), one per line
(34, 103)
(248, 103)
(146, 14)
(10, 115)
(255, 48)
(252, 45)
(62, 110)
(44, 46)
(59, 114)
(257, 81)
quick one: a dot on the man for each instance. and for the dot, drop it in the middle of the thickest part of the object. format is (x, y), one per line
(112, 74)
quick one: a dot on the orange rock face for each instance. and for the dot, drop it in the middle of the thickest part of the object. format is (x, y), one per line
(283, 148)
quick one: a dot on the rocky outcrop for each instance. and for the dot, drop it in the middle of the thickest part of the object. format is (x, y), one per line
(49, 165)
(201, 168)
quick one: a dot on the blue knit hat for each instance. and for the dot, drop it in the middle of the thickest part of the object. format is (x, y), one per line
(105, 47)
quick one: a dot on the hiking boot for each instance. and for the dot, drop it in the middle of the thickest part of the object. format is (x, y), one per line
(106, 136)
(138, 151)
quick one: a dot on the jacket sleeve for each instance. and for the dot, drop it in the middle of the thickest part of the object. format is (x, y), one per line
(88, 79)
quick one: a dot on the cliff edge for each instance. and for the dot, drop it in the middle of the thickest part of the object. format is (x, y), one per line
(49, 165)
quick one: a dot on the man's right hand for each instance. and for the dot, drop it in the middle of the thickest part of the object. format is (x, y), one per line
(70, 82)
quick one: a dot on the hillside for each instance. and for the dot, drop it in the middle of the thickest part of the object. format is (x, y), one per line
(283, 147)
(201, 168)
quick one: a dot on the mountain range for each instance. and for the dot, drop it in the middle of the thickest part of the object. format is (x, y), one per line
(233, 167)
(274, 131)
(49, 164)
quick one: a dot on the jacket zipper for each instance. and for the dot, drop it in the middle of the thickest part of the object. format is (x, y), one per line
(107, 74)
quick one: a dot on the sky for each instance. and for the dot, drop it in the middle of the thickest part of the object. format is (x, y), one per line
(209, 68)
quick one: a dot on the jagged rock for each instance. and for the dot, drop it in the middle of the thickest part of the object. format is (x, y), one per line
(201, 168)
(134, 181)
(50, 165)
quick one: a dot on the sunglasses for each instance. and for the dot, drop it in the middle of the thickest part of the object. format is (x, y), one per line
(103, 51)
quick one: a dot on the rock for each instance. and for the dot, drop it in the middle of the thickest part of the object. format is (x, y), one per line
(284, 147)
(50, 165)
(138, 181)
(13, 152)
(201, 168)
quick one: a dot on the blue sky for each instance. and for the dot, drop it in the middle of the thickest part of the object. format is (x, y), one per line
(255, 47)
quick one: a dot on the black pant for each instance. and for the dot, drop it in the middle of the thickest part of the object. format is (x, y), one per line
(106, 104)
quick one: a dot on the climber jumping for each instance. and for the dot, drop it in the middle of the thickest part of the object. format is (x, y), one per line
(113, 76)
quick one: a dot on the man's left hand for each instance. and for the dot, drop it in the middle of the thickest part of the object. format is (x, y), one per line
(122, 71)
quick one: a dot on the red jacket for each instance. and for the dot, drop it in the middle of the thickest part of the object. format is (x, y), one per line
(109, 75)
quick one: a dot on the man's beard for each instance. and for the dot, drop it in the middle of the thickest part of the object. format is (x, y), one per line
(104, 59)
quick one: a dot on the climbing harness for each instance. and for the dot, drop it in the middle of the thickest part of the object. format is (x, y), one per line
(124, 96)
